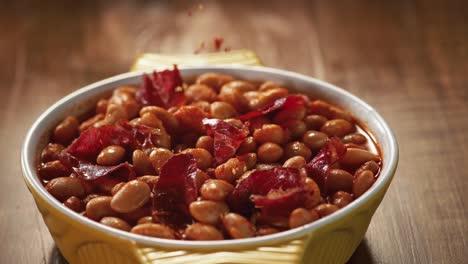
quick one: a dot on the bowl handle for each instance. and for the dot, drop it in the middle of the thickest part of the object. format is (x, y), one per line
(150, 61)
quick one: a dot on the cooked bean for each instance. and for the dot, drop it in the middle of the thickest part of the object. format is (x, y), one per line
(231, 170)
(145, 220)
(363, 182)
(202, 156)
(117, 188)
(238, 226)
(161, 138)
(248, 145)
(214, 80)
(241, 86)
(126, 99)
(313, 198)
(250, 160)
(208, 212)
(266, 166)
(158, 157)
(355, 138)
(258, 122)
(151, 180)
(52, 170)
(289, 114)
(326, 209)
(269, 133)
(141, 163)
(300, 217)
(314, 139)
(99, 207)
(170, 123)
(269, 96)
(200, 92)
(89, 197)
(234, 98)
(338, 180)
(101, 106)
(90, 122)
(329, 111)
(111, 155)
(63, 188)
(370, 165)
(356, 157)
(51, 152)
(235, 122)
(201, 177)
(269, 152)
(74, 203)
(341, 199)
(297, 148)
(149, 119)
(115, 222)
(153, 230)
(296, 128)
(205, 142)
(135, 215)
(352, 145)
(266, 230)
(216, 190)
(268, 85)
(203, 105)
(67, 130)
(114, 113)
(250, 96)
(107, 185)
(315, 122)
(190, 118)
(337, 127)
(222, 110)
(295, 162)
(199, 231)
(133, 195)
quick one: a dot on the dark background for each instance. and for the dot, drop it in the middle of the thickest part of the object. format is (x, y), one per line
(409, 59)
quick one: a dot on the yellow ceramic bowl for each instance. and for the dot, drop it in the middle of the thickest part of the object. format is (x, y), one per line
(332, 239)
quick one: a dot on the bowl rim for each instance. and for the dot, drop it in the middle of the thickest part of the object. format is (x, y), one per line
(29, 171)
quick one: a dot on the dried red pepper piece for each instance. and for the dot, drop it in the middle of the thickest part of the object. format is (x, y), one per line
(331, 152)
(164, 89)
(175, 190)
(288, 102)
(280, 202)
(261, 183)
(227, 138)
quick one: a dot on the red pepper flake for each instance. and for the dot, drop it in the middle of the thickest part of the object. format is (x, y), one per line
(331, 152)
(175, 190)
(218, 42)
(164, 89)
(227, 138)
(280, 202)
(288, 102)
(263, 183)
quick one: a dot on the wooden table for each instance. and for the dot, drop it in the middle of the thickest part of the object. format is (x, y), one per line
(409, 59)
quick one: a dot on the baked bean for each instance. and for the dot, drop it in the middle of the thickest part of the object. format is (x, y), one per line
(252, 95)
(169, 121)
(322, 108)
(241, 86)
(338, 180)
(200, 92)
(153, 230)
(314, 139)
(231, 170)
(74, 203)
(266, 230)
(238, 226)
(67, 130)
(149, 119)
(161, 138)
(190, 118)
(222, 110)
(89, 197)
(53, 169)
(115, 222)
(63, 188)
(101, 106)
(202, 156)
(117, 188)
(269, 96)
(234, 97)
(125, 99)
(300, 217)
(250, 160)
(296, 128)
(258, 122)
(352, 145)
(269, 152)
(297, 148)
(203, 105)
(337, 127)
(235, 122)
(216, 190)
(214, 80)
(151, 180)
(114, 113)
(355, 157)
(199, 231)
(201, 177)
(268, 85)
(179, 148)
(247, 146)
(111, 155)
(355, 138)
(90, 122)
(135, 215)
(269, 133)
(145, 220)
(158, 157)
(99, 207)
(313, 198)
(133, 195)
(141, 163)
(51, 152)
(326, 209)
(107, 185)
(295, 162)
(363, 181)
(315, 122)
(370, 165)
(208, 212)
(341, 199)
(289, 114)
(205, 142)
(263, 166)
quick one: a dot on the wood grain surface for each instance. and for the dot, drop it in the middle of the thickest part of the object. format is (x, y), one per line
(409, 59)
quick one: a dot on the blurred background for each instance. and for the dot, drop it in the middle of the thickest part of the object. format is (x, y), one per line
(409, 59)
